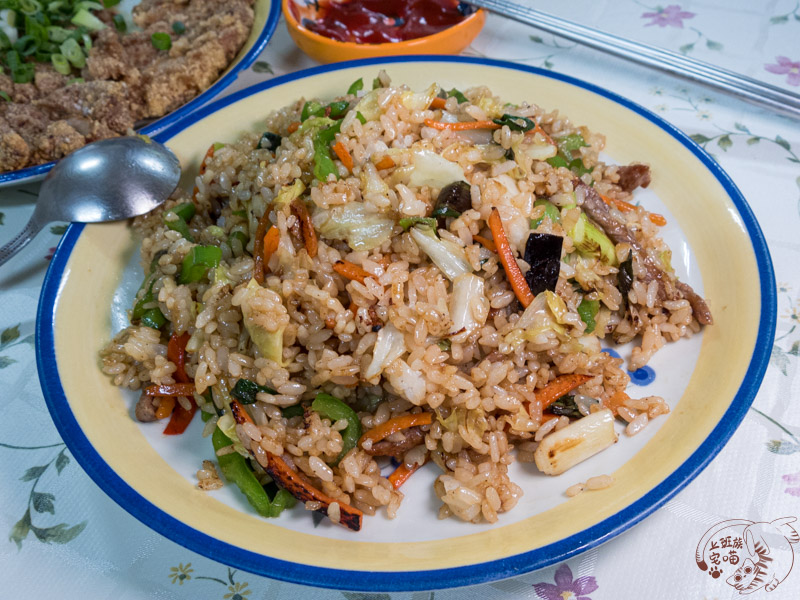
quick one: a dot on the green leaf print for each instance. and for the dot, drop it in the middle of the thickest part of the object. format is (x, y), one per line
(778, 359)
(33, 473)
(779, 20)
(5, 361)
(2, 218)
(58, 534)
(9, 335)
(43, 502)
(262, 66)
(700, 138)
(783, 143)
(20, 530)
(725, 142)
(752, 140)
(58, 229)
(712, 45)
(62, 461)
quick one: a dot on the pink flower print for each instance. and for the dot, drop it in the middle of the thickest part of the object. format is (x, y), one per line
(794, 478)
(50, 253)
(671, 16)
(786, 67)
(565, 588)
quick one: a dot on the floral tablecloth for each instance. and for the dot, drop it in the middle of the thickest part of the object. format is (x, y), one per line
(62, 537)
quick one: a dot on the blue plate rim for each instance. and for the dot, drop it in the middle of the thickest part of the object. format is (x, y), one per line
(389, 581)
(22, 175)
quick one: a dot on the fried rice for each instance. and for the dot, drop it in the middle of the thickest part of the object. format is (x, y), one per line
(356, 263)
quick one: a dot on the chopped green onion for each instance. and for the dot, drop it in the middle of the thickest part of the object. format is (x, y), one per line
(444, 345)
(73, 53)
(408, 222)
(454, 93)
(587, 310)
(571, 142)
(60, 64)
(178, 27)
(515, 123)
(240, 213)
(245, 391)
(376, 83)
(57, 34)
(310, 108)
(26, 45)
(153, 318)
(83, 18)
(161, 41)
(323, 161)
(445, 211)
(296, 410)
(550, 210)
(120, 24)
(5, 96)
(110, 3)
(197, 263)
(29, 7)
(269, 141)
(185, 210)
(356, 86)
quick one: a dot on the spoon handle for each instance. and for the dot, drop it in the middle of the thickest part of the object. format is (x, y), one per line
(33, 227)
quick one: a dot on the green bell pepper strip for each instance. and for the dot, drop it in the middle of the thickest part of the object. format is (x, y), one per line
(197, 263)
(149, 317)
(235, 469)
(356, 86)
(296, 410)
(334, 409)
(184, 212)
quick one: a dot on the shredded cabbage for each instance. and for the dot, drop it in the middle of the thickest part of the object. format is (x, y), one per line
(355, 224)
(389, 346)
(465, 287)
(434, 170)
(289, 192)
(448, 256)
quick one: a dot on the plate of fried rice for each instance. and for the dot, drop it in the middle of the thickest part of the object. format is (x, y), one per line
(410, 324)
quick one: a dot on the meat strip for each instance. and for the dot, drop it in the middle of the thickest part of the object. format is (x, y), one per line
(633, 176)
(145, 410)
(414, 437)
(668, 288)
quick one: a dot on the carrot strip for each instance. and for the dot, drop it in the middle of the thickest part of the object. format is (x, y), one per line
(485, 242)
(384, 430)
(351, 271)
(306, 226)
(563, 384)
(181, 417)
(302, 489)
(171, 389)
(176, 353)
(271, 240)
(353, 308)
(209, 154)
(623, 206)
(344, 155)
(258, 246)
(401, 474)
(293, 127)
(165, 407)
(239, 414)
(515, 276)
(330, 322)
(616, 401)
(438, 103)
(462, 125)
(544, 134)
(385, 163)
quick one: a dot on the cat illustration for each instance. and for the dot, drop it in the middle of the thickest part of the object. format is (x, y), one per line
(770, 548)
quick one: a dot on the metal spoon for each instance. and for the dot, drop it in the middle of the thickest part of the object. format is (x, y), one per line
(109, 180)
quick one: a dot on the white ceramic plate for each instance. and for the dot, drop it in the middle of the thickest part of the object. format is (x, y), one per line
(717, 248)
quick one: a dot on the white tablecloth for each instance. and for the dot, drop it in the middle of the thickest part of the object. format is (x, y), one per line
(64, 538)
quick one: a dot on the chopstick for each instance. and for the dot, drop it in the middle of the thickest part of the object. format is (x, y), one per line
(741, 86)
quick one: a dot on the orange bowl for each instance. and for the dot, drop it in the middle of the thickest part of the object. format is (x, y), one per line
(449, 41)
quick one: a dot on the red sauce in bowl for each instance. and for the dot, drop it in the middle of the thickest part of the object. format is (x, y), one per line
(382, 21)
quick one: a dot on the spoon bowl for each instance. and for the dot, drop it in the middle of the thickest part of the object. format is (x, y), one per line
(109, 180)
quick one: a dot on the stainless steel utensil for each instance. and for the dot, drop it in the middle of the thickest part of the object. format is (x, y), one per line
(109, 180)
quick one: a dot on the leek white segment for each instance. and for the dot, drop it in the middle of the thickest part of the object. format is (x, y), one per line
(582, 439)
